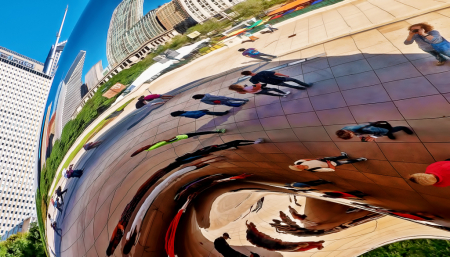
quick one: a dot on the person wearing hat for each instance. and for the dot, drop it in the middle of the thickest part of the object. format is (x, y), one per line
(327, 164)
(221, 245)
(436, 174)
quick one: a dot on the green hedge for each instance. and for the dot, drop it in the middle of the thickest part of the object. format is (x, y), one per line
(413, 248)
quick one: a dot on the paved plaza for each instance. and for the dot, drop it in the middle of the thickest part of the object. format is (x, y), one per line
(361, 72)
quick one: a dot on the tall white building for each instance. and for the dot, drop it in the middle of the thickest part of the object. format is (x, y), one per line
(202, 10)
(53, 62)
(94, 75)
(24, 89)
(70, 96)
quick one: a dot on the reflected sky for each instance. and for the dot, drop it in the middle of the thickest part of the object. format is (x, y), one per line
(89, 34)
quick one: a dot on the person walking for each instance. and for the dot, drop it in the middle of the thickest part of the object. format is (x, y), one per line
(274, 78)
(270, 27)
(59, 193)
(429, 40)
(258, 90)
(58, 205)
(327, 164)
(144, 100)
(369, 132)
(220, 100)
(253, 53)
(70, 173)
(175, 139)
(53, 224)
(90, 145)
(221, 245)
(436, 174)
(197, 114)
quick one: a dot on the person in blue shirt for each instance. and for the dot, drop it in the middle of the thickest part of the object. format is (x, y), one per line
(253, 53)
(197, 114)
(429, 40)
(369, 132)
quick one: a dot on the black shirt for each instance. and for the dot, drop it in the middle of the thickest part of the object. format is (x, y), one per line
(267, 77)
(225, 249)
(140, 103)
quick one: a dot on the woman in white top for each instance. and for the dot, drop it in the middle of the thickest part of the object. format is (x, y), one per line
(327, 164)
(258, 90)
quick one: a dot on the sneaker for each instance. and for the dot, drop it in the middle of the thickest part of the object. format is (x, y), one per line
(259, 141)
(362, 159)
(310, 84)
(344, 154)
(440, 63)
(287, 93)
(220, 130)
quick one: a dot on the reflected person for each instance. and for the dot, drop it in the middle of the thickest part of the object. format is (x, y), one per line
(429, 40)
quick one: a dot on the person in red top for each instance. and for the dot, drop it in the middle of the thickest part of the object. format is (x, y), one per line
(436, 174)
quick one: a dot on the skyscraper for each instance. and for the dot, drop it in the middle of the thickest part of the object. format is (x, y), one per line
(129, 29)
(51, 64)
(24, 89)
(202, 10)
(54, 61)
(70, 94)
(173, 16)
(94, 75)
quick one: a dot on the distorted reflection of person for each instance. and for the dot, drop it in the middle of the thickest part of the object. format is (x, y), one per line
(351, 195)
(255, 237)
(308, 184)
(91, 145)
(371, 131)
(326, 164)
(135, 230)
(429, 40)
(144, 100)
(71, 173)
(197, 114)
(222, 246)
(175, 139)
(220, 100)
(436, 174)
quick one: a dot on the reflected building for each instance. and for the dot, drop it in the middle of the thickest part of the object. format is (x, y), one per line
(172, 15)
(24, 89)
(94, 75)
(129, 30)
(54, 64)
(202, 10)
(70, 93)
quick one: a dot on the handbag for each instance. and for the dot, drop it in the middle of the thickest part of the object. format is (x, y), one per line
(442, 47)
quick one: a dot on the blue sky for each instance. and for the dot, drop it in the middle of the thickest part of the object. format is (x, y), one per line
(86, 28)
(30, 26)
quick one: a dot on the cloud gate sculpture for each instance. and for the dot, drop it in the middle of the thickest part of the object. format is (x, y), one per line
(322, 170)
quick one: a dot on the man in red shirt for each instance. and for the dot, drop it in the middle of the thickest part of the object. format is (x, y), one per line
(436, 174)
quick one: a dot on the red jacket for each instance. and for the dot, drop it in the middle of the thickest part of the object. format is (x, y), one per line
(442, 171)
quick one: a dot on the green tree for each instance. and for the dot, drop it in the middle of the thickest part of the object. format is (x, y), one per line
(26, 244)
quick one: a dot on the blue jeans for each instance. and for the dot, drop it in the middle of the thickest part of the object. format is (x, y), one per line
(439, 56)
